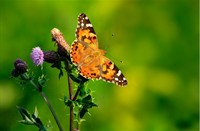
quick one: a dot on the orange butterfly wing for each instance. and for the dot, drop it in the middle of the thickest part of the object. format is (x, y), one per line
(90, 60)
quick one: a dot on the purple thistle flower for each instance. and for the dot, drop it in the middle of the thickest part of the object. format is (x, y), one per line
(37, 56)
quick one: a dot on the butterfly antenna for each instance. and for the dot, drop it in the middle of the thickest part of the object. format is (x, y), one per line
(107, 46)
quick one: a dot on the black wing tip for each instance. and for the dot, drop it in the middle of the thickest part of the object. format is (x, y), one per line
(122, 83)
(82, 15)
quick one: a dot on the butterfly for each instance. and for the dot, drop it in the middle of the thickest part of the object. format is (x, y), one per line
(89, 59)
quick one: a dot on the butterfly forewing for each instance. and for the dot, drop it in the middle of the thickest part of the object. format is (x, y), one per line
(85, 31)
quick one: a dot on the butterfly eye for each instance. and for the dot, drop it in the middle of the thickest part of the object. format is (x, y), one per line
(93, 38)
(108, 63)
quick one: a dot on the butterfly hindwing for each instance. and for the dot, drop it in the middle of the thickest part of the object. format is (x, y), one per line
(111, 73)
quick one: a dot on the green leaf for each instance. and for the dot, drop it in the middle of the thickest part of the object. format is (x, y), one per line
(42, 128)
(25, 76)
(38, 122)
(36, 112)
(67, 101)
(25, 115)
(88, 98)
(58, 65)
(42, 80)
(26, 122)
(31, 119)
(83, 111)
(82, 91)
(86, 103)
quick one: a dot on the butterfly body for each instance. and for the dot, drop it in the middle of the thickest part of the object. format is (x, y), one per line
(90, 60)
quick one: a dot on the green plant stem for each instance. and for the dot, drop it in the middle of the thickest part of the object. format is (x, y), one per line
(48, 104)
(71, 106)
(76, 94)
(73, 99)
(79, 124)
(52, 111)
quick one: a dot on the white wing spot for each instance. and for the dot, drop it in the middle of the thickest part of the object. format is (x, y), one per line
(89, 25)
(119, 73)
(116, 79)
(82, 24)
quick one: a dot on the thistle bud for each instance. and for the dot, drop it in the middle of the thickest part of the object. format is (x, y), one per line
(20, 68)
(51, 56)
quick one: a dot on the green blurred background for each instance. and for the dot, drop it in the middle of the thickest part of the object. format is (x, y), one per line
(154, 43)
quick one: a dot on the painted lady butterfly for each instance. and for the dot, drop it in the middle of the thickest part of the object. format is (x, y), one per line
(90, 60)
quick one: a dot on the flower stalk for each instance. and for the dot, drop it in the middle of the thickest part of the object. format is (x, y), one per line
(63, 49)
(48, 104)
(71, 106)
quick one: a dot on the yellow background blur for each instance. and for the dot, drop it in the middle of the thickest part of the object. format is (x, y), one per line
(154, 43)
